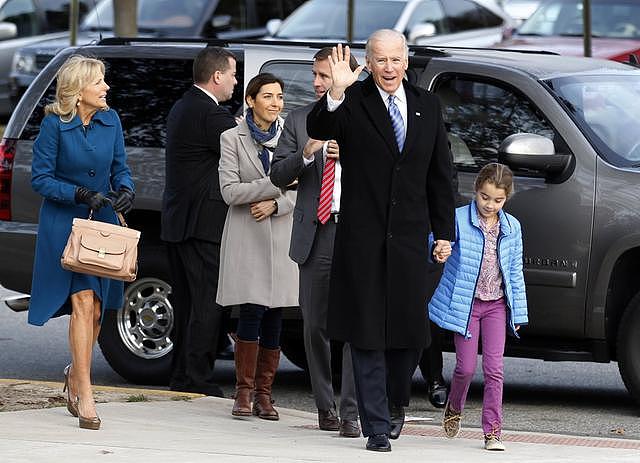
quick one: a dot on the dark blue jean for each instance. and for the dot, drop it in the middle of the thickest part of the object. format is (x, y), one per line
(261, 323)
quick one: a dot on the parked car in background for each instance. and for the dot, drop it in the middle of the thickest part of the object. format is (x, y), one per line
(557, 26)
(159, 18)
(26, 21)
(520, 10)
(473, 23)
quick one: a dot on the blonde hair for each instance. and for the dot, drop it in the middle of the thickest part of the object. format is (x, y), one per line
(497, 174)
(73, 76)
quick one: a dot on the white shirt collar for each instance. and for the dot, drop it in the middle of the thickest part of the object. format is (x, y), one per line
(399, 94)
(211, 95)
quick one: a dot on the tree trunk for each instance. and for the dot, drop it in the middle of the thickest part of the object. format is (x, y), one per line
(125, 18)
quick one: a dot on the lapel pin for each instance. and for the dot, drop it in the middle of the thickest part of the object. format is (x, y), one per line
(418, 114)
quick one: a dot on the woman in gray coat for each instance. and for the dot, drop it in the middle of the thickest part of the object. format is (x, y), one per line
(255, 270)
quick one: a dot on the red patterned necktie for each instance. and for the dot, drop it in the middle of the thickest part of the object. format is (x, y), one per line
(326, 190)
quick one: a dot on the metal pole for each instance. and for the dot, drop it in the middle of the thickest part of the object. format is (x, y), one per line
(350, 17)
(586, 20)
(74, 15)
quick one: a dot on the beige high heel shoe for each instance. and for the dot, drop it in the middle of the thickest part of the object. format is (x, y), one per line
(72, 405)
(88, 422)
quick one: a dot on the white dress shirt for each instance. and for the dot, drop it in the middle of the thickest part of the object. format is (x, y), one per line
(213, 97)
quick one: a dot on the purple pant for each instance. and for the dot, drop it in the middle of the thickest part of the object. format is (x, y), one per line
(488, 320)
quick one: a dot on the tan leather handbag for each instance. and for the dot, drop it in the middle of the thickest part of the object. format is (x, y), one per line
(102, 249)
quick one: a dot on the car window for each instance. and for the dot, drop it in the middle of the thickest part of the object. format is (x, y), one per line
(56, 12)
(480, 114)
(327, 19)
(23, 14)
(429, 12)
(467, 15)
(298, 82)
(600, 105)
(142, 92)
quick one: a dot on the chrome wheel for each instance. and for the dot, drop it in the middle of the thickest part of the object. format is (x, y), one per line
(146, 318)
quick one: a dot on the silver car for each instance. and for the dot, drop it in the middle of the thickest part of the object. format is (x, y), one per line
(466, 23)
(23, 22)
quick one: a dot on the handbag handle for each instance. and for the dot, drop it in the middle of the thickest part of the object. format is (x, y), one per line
(118, 214)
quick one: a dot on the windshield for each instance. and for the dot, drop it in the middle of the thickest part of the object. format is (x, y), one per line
(609, 18)
(152, 14)
(603, 107)
(327, 19)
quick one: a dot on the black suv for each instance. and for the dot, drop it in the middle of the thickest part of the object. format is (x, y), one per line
(564, 125)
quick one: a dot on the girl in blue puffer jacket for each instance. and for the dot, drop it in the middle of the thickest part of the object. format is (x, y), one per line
(481, 295)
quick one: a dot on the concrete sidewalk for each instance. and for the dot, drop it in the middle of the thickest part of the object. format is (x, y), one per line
(203, 430)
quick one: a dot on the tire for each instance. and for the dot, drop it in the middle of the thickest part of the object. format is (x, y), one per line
(628, 347)
(135, 339)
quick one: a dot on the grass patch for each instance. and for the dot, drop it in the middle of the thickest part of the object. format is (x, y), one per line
(181, 397)
(137, 398)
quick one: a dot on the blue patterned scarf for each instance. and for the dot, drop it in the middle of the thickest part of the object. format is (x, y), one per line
(267, 140)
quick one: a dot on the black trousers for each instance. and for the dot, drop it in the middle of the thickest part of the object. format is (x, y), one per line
(197, 318)
(383, 378)
(431, 360)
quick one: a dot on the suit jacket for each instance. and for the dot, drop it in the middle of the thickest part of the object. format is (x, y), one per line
(254, 265)
(192, 206)
(390, 201)
(287, 166)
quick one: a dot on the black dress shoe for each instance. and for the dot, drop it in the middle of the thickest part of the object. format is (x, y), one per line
(438, 394)
(328, 420)
(397, 421)
(379, 443)
(349, 428)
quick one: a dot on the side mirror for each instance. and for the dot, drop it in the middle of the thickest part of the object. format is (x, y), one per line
(527, 151)
(221, 21)
(422, 31)
(8, 30)
(272, 26)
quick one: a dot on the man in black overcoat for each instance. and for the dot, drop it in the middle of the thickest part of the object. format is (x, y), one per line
(193, 215)
(396, 188)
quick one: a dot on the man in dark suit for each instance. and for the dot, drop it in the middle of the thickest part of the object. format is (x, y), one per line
(193, 215)
(396, 187)
(299, 157)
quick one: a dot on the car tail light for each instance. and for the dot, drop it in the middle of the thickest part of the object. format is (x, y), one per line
(626, 56)
(7, 153)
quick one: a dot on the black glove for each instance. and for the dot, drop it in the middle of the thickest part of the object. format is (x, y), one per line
(122, 200)
(93, 199)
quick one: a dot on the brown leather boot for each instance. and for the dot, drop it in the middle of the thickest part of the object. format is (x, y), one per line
(268, 360)
(246, 358)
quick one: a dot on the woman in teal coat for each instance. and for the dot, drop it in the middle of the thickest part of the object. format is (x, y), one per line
(79, 164)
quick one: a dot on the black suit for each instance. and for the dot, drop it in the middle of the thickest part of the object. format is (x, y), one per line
(390, 201)
(193, 215)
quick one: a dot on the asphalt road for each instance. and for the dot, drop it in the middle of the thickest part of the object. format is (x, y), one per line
(563, 397)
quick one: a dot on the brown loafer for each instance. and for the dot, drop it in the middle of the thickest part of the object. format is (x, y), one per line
(328, 420)
(349, 428)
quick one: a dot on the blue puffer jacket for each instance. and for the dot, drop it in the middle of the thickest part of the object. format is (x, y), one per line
(450, 307)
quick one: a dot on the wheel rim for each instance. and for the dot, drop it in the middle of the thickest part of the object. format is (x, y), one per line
(146, 319)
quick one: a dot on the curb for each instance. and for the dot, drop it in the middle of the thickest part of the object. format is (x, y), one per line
(115, 389)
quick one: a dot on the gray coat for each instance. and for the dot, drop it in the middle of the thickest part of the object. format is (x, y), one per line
(287, 166)
(254, 265)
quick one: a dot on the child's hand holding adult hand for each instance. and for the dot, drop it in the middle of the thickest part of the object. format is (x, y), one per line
(441, 250)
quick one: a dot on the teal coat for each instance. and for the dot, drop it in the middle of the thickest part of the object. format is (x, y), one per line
(64, 157)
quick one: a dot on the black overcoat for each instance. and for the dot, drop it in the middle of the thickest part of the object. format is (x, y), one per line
(192, 206)
(389, 203)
